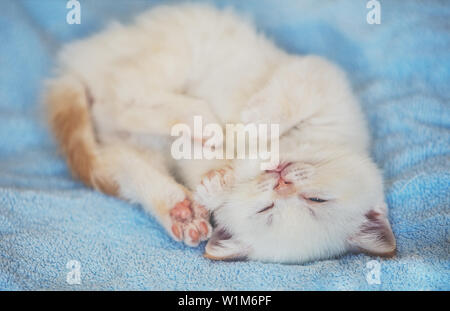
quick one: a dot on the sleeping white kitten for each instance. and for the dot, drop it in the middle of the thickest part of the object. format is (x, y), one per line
(117, 94)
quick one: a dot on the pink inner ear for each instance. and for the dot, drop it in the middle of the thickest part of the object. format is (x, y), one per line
(375, 236)
(373, 216)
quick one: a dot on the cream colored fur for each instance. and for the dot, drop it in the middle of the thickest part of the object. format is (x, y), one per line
(175, 62)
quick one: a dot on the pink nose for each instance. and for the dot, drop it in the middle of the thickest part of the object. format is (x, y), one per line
(283, 187)
(279, 168)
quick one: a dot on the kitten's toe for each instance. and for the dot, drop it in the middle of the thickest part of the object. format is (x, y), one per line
(201, 221)
(221, 177)
(177, 232)
(204, 228)
(200, 211)
(192, 235)
(196, 232)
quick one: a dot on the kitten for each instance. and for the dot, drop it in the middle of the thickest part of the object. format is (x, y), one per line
(117, 94)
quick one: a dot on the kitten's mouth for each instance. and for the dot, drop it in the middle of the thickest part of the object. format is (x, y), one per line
(284, 188)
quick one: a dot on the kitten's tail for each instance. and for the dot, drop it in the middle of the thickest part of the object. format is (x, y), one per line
(67, 102)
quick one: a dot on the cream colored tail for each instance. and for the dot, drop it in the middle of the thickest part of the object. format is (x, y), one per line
(69, 116)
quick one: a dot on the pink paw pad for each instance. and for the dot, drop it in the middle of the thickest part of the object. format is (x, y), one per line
(176, 230)
(182, 210)
(194, 234)
(189, 222)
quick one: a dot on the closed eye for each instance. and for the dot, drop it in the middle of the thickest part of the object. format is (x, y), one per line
(316, 200)
(266, 208)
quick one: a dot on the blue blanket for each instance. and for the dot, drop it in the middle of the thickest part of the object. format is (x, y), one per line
(399, 69)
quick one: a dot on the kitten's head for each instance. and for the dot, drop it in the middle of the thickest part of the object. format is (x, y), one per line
(316, 204)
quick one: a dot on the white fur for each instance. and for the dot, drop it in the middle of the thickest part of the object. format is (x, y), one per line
(176, 62)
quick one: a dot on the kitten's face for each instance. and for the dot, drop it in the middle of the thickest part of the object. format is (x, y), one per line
(318, 207)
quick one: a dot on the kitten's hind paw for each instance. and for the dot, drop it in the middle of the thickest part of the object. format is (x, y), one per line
(189, 223)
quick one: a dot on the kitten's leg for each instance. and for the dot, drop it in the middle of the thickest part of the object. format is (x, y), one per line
(157, 115)
(142, 177)
(117, 168)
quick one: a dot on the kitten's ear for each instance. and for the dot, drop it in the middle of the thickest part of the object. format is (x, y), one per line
(375, 236)
(222, 246)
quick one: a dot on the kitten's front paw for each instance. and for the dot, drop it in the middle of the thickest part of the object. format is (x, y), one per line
(190, 223)
(212, 186)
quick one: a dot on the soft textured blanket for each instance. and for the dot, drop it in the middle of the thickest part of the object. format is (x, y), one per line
(399, 69)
